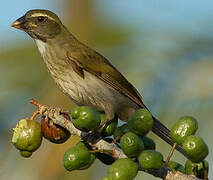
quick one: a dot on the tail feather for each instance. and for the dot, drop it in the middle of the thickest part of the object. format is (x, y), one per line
(164, 133)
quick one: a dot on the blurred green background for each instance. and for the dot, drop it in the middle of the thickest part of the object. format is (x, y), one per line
(165, 48)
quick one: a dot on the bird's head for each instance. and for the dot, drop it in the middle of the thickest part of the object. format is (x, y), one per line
(39, 24)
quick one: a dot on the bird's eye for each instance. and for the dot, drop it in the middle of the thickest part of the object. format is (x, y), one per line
(41, 18)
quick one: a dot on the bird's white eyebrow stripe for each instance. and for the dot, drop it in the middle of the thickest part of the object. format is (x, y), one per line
(40, 14)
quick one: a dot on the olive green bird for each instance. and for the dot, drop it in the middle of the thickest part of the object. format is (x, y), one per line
(83, 74)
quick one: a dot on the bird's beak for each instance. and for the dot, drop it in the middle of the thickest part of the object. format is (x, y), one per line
(19, 23)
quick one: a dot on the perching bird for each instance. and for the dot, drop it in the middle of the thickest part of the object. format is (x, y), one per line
(83, 74)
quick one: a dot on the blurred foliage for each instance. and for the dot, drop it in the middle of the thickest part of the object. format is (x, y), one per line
(172, 70)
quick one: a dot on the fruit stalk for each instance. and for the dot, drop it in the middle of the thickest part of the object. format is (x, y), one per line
(170, 153)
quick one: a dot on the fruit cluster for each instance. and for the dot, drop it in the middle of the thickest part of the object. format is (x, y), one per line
(131, 137)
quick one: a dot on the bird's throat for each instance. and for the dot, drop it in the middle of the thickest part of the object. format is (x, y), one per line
(41, 46)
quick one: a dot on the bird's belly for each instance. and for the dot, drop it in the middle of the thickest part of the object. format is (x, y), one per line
(86, 91)
(91, 91)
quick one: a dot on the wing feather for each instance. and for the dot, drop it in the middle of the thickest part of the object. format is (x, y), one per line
(93, 62)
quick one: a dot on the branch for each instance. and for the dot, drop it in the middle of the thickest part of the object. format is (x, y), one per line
(179, 176)
(100, 145)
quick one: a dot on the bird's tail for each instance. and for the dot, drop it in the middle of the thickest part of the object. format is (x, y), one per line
(164, 133)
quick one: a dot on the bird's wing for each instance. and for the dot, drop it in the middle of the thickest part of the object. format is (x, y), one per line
(89, 60)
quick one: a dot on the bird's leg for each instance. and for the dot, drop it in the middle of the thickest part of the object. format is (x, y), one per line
(106, 120)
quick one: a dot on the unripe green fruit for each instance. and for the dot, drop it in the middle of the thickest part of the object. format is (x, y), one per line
(131, 144)
(92, 159)
(123, 169)
(183, 128)
(197, 168)
(27, 135)
(176, 166)
(148, 143)
(85, 118)
(150, 159)
(141, 122)
(77, 157)
(26, 154)
(108, 128)
(195, 148)
(121, 130)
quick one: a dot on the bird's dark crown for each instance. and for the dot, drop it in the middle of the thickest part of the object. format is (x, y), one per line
(39, 24)
(42, 13)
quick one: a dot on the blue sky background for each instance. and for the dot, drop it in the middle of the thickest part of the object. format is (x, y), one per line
(10, 10)
(192, 16)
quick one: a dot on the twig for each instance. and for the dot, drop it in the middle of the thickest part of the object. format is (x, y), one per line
(34, 115)
(179, 176)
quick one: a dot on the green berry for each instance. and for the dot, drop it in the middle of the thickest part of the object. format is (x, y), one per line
(148, 143)
(131, 144)
(27, 135)
(92, 159)
(123, 169)
(141, 122)
(195, 148)
(176, 166)
(77, 157)
(150, 159)
(85, 118)
(197, 168)
(183, 128)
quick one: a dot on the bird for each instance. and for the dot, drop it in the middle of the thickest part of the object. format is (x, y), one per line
(83, 74)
